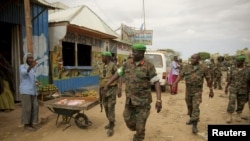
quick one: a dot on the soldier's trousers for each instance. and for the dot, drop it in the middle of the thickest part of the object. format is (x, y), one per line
(109, 104)
(217, 82)
(135, 118)
(193, 105)
(236, 99)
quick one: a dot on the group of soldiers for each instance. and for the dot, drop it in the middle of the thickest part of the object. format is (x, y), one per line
(237, 83)
(138, 73)
(216, 70)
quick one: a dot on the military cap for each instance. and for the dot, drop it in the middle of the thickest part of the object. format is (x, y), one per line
(139, 47)
(240, 58)
(106, 53)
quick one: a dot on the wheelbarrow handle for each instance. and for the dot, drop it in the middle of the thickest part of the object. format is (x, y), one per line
(51, 109)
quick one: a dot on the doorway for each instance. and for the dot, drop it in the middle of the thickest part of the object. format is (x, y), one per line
(10, 46)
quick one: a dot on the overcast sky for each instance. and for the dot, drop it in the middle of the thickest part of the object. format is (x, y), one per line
(186, 26)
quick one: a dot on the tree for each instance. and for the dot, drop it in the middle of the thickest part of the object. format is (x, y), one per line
(170, 52)
(204, 55)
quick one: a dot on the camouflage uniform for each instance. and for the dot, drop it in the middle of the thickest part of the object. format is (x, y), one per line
(109, 101)
(211, 70)
(137, 78)
(217, 76)
(231, 65)
(194, 77)
(238, 89)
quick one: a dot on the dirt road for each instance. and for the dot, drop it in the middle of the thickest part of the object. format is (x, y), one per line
(168, 125)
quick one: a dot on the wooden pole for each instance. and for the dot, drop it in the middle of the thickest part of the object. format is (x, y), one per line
(28, 26)
(144, 16)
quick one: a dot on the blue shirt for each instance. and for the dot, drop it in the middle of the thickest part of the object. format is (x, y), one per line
(27, 81)
(175, 69)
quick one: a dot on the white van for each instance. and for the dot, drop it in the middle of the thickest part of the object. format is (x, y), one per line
(162, 66)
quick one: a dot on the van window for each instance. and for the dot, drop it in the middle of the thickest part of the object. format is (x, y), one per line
(155, 59)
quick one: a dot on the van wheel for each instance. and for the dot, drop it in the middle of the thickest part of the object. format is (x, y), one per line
(163, 88)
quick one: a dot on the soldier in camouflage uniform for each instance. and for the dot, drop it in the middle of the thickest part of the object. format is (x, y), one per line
(211, 66)
(107, 70)
(231, 64)
(138, 75)
(194, 75)
(238, 88)
(217, 76)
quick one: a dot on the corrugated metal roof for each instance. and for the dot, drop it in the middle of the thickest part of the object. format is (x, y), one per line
(43, 2)
(59, 5)
(81, 16)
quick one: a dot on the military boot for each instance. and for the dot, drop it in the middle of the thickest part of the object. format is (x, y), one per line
(229, 118)
(194, 128)
(107, 126)
(137, 138)
(110, 131)
(238, 117)
(189, 122)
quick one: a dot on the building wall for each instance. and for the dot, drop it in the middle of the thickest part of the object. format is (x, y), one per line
(73, 77)
(12, 12)
(123, 51)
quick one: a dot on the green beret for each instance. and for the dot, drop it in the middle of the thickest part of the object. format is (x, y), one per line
(240, 58)
(106, 53)
(138, 47)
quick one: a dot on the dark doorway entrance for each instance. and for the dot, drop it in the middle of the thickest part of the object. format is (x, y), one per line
(5, 41)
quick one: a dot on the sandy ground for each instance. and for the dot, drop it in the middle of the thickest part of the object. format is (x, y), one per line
(168, 125)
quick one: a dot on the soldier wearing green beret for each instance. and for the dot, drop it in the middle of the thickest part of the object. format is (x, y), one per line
(240, 58)
(139, 47)
(106, 53)
(107, 70)
(238, 87)
(138, 75)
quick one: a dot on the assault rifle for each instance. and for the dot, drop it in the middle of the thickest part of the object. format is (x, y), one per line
(101, 98)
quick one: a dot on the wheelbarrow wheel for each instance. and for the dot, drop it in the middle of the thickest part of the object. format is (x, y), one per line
(82, 121)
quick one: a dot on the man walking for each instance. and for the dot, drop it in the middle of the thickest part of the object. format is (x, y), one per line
(211, 67)
(138, 75)
(217, 73)
(238, 86)
(194, 75)
(107, 70)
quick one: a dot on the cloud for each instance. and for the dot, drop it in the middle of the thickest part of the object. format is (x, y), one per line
(212, 25)
(245, 40)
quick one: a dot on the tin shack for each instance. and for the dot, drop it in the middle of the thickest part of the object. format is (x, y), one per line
(13, 36)
(77, 37)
